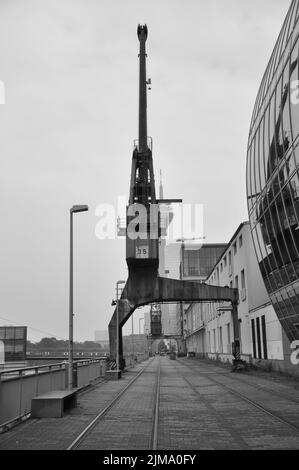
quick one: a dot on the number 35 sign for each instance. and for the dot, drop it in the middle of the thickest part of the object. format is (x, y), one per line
(141, 251)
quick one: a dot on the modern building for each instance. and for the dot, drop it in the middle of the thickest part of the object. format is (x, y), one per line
(13, 341)
(272, 175)
(197, 261)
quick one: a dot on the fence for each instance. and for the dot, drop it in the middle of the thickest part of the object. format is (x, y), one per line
(19, 386)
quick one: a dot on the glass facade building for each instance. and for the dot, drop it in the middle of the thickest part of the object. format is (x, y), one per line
(199, 262)
(14, 339)
(273, 175)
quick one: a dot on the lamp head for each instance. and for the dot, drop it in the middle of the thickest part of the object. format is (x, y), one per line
(79, 208)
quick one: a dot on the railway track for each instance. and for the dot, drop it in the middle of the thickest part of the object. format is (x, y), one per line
(257, 387)
(153, 437)
(256, 405)
(155, 428)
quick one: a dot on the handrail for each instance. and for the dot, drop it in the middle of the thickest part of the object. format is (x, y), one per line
(60, 365)
(18, 386)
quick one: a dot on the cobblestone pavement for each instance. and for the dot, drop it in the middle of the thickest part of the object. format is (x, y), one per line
(199, 411)
(202, 406)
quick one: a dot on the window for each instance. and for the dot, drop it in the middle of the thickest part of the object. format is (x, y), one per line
(243, 286)
(230, 258)
(235, 248)
(228, 339)
(264, 336)
(243, 279)
(258, 331)
(253, 338)
(221, 267)
(224, 260)
(220, 349)
(240, 241)
(231, 284)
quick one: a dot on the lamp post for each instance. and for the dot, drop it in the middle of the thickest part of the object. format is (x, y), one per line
(140, 319)
(73, 210)
(117, 327)
(133, 338)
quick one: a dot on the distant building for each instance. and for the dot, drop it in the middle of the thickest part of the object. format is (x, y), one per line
(171, 270)
(147, 322)
(135, 344)
(13, 341)
(195, 265)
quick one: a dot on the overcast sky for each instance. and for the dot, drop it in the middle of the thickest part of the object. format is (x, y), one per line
(70, 69)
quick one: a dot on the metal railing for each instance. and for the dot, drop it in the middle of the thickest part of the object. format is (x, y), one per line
(19, 386)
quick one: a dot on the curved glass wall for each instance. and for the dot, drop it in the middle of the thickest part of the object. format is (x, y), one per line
(273, 175)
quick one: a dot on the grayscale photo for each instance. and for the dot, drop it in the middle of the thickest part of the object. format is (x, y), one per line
(149, 243)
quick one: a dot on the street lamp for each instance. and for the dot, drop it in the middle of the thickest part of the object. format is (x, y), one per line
(74, 209)
(117, 327)
(133, 338)
(140, 319)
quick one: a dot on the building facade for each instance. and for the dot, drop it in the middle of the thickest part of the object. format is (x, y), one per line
(13, 341)
(210, 326)
(196, 265)
(272, 176)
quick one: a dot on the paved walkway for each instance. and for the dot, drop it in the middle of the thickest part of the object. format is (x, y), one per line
(58, 433)
(202, 406)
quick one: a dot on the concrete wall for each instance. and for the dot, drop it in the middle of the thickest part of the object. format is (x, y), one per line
(273, 331)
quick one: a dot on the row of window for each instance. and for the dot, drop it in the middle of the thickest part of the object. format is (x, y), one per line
(13, 332)
(273, 154)
(286, 37)
(219, 341)
(14, 350)
(223, 264)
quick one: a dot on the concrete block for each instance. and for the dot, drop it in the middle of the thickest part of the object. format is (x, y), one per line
(53, 404)
(113, 374)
